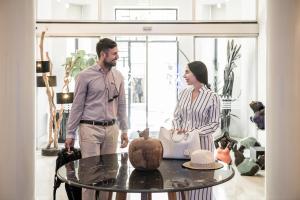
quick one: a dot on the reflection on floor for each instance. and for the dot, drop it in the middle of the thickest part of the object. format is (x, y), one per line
(238, 188)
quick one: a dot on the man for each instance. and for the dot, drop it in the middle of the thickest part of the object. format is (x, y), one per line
(99, 107)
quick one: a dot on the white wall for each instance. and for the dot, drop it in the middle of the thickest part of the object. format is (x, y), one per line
(283, 97)
(17, 99)
(262, 63)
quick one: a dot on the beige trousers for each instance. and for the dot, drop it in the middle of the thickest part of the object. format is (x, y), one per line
(97, 140)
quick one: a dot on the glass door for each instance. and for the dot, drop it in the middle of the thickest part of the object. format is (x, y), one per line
(149, 66)
(162, 76)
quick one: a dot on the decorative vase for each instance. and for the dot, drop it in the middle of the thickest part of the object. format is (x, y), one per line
(145, 153)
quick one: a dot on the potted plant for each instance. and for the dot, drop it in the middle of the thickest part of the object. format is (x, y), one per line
(233, 54)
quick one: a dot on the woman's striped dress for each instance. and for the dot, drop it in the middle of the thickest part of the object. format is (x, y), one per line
(201, 115)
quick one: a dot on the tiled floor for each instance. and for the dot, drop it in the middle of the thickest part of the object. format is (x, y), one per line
(238, 188)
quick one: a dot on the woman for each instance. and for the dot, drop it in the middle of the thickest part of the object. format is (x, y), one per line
(198, 109)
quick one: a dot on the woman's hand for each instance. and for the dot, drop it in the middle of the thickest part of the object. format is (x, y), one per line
(181, 131)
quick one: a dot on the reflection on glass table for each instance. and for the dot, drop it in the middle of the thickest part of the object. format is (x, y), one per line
(114, 173)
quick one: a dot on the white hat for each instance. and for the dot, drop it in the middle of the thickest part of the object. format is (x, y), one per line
(202, 159)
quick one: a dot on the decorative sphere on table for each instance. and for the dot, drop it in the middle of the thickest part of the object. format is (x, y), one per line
(145, 153)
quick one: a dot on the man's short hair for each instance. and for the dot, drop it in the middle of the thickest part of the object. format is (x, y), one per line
(104, 45)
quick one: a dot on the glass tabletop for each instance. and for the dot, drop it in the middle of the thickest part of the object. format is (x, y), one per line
(113, 172)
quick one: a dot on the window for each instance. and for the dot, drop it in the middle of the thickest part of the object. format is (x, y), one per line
(67, 9)
(145, 14)
(213, 10)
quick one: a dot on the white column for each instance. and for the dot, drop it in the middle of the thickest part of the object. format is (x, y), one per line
(17, 96)
(283, 100)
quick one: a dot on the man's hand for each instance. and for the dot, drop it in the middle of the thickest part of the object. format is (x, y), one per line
(124, 158)
(69, 143)
(124, 140)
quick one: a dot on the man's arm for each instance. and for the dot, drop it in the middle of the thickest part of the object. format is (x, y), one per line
(76, 110)
(122, 115)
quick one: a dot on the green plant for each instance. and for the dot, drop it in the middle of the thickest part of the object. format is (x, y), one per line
(232, 56)
(77, 62)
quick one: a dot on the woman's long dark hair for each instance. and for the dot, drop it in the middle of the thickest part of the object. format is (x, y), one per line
(199, 70)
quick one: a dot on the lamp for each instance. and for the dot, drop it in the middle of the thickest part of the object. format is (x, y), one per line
(63, 114)
(40, 81)
(64, 98)
(42, 66)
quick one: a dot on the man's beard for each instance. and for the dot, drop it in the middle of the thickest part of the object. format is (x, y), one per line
(109, 65)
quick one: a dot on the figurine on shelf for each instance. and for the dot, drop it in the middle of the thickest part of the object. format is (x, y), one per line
(245, 166)
(248, 142)
(248, 166)
(223, 145)
(224, 155)
(261, 162)
(259, 114)
(224, 140)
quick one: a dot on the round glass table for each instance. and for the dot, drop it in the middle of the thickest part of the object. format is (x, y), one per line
(114, 173)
